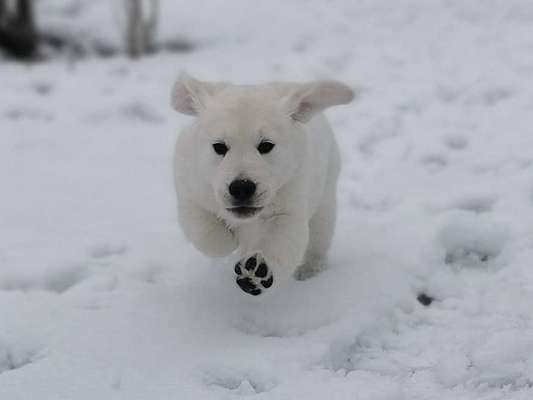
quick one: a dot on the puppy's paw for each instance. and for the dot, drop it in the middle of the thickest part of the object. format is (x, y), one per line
(253, 275)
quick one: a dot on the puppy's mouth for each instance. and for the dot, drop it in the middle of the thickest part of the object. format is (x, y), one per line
(244, 211)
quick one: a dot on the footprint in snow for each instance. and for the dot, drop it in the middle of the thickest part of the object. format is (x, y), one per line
(472, 241)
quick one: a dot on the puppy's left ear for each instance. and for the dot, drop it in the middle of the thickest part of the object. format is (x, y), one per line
(189, 95)
(309, 99)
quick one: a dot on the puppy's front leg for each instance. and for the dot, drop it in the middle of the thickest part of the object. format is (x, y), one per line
(284, 245)
(275, 256)
(205, 230)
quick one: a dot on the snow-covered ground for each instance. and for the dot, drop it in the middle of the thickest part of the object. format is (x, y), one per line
(102, 298)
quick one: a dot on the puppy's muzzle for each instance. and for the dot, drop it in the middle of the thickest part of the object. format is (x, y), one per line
(242, 192)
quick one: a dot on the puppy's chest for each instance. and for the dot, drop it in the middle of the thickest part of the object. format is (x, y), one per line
(250, 235)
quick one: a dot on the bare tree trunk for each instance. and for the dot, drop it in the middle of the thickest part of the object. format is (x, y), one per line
(141, 24)
(18, 34)
(2, 10)
(134, 28)
(25, 13)
(150, 25)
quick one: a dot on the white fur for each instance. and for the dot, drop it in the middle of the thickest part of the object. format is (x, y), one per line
(296, 181)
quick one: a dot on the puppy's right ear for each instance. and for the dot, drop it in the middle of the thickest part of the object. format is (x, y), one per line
(189, 95)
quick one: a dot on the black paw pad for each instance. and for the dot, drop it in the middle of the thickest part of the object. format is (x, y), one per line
(261, 271)
(268, 282)
(250, 263)
(246, 284)
(238, 269)
(255, 276)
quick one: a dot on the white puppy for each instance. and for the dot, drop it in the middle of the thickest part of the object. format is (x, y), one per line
(257, 172)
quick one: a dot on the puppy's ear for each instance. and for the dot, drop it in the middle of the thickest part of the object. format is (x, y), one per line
(310, 99)
(189, 95)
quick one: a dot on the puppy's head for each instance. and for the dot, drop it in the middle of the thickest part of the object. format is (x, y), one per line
(250, 140)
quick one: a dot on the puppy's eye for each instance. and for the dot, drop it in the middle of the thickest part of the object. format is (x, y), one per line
(265, 147)
(220, 148)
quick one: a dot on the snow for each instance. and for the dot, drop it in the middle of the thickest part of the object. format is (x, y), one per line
(102, 298)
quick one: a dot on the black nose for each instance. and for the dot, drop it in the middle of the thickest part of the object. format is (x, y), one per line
(242, 189)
